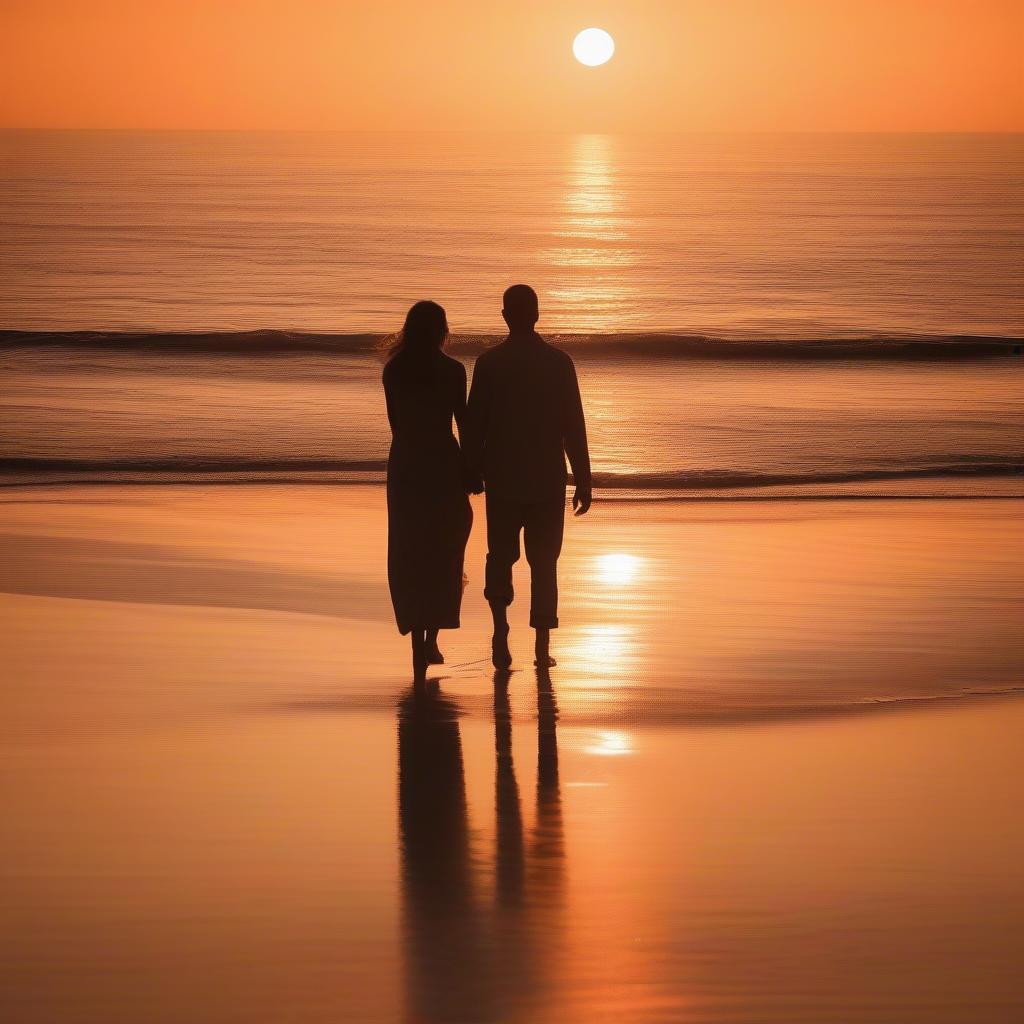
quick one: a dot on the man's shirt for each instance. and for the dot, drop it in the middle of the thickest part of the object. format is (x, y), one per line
(524, 416)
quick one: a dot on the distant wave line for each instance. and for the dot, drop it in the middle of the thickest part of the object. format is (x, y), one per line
(666, 345)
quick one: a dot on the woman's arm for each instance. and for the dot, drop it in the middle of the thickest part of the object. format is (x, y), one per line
(389, 398)
(469, 415)
(460, 401)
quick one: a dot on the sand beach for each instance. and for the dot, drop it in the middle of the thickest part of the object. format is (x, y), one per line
(774, 776)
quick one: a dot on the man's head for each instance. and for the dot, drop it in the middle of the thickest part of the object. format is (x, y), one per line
(520, 308)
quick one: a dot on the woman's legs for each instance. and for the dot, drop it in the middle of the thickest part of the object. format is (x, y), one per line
(434, 655)
(419, 655)
(425, 651)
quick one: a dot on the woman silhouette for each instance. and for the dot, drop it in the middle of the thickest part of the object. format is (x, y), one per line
(429, 515)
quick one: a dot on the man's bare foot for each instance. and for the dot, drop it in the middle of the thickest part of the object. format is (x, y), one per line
(433, 653)
(501, 656)
(542, 650)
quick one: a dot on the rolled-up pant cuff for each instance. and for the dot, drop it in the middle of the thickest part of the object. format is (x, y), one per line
(543, 621)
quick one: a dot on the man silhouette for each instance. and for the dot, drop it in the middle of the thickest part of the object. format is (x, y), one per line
(524, 416)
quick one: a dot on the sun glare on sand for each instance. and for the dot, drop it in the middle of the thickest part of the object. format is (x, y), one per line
(593, 46)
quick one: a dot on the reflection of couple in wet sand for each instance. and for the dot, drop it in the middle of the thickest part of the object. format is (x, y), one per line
(465, 964)
(523, 417)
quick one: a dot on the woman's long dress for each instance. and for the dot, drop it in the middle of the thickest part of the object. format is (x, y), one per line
(429, 514)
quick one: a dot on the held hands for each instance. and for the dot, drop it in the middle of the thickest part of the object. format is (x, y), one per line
(581, 500)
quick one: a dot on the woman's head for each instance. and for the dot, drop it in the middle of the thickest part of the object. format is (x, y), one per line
(425, 330)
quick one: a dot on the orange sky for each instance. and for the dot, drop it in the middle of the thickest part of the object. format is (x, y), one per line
(798, 65)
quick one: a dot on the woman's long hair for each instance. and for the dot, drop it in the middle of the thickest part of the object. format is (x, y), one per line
(424, 332)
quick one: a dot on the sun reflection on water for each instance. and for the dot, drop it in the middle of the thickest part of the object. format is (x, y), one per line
(594, 197)
(610, 743)
(599, 664)
(617, 568)
(607, 648)
(593, 235)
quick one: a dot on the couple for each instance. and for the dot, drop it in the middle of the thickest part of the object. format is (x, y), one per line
(524, 415)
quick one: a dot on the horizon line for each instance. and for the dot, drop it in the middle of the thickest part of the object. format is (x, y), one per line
(13, 128)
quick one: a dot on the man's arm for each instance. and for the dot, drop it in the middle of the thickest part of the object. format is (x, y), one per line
(574, 439)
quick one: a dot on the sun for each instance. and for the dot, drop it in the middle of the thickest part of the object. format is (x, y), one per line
(593, 46)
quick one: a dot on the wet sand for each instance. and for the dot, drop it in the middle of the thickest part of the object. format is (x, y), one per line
(774, 777)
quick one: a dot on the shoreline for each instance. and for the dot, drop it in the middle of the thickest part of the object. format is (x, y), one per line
(676, 611)
(624, 492)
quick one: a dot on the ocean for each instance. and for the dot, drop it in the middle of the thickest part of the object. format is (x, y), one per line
(751, 315)
(775, 773)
